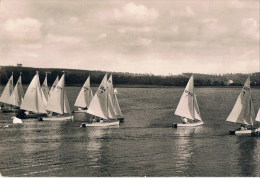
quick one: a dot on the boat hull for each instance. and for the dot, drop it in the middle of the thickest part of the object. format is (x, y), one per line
(244, 132)
(121, 119)
(195, 124)
(57, 118)
(81, 111)
(100, 124)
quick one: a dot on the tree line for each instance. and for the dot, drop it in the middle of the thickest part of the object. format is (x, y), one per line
(78, 77)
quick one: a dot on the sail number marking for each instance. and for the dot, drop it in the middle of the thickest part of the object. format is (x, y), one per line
(245, 89)
(85, 89)
(103, 89)
(59, 88)
(188, 92)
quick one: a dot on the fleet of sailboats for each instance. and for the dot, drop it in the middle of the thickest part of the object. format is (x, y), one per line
(104, 106)
(84, 98)
(188, 107)
(243, 112)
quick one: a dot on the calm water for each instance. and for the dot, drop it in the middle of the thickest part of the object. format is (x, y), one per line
(145, 144)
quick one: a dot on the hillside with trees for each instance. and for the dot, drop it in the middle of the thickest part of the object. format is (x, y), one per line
(78, 77)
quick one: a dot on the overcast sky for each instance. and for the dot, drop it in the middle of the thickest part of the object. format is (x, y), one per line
(142, 36)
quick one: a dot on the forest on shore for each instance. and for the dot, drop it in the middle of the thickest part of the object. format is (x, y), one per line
(78, 77)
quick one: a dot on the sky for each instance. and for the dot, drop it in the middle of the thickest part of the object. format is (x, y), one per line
(160, 37)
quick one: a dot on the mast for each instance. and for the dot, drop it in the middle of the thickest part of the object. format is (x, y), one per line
(63, 94)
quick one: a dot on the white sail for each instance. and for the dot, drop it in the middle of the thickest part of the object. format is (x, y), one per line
(258, 116)
(45, 88)
(8, 90)
(66, 102)
(243, 110)
(188, 106)
(85, 95)
(17, 96)
(111, 109)
(56, 100)
(117, 107)
(99, 104)
(110, 86)
(33, 98)
(53, 85)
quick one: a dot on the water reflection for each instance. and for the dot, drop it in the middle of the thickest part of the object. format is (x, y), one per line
(248, 155)
(186, 148)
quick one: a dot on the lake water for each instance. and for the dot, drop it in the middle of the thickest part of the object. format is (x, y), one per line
(144, 145)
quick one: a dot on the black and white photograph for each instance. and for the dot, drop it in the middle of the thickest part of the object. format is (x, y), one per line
(129, 88)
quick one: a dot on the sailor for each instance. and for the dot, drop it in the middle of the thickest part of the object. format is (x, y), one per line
(242, 127)
(184, 120)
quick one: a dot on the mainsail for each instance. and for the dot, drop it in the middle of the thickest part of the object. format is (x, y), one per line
(101, 104)
(33, 98)
(53, 85)
(8, 90)
(17, 96)
(243, 110)
(188, 106)
(116, 106)
(258, 116)
(85, 95)
(113, 96)
(58, 101)
(45, 88)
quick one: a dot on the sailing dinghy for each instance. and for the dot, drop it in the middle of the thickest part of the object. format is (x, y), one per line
(17, 95)
(58, 103)
(84, 98)
(33, 101)
(243, 112)
(188, 107)
(115, 103)
(102, 108)
(5, 97)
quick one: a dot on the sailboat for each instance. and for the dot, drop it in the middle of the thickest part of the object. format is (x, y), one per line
(58, 103)
(17, 95)
(84, 98)
(45, 88)
(102, 108)
(115, 103)
(188, 107)
(243, 112)
(33, 101)
(5, 97)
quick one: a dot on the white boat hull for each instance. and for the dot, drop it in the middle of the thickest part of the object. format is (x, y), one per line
(57, 118)
(194, 124)
(100, 124)
(81, 111)
(244, 132)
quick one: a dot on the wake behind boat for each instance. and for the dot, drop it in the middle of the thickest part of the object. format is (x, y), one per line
(101, 108)
(188, 108)
(243, 113)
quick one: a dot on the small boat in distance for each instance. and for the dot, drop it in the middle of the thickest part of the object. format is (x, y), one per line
(17, 95)
(188, 107)
(58, 103)
(101, 108)
(84, 98)
(243, 112)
